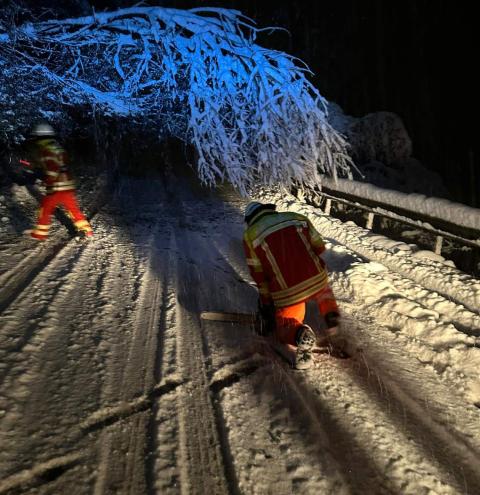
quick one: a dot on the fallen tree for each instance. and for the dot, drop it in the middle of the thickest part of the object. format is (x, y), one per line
(197, 74)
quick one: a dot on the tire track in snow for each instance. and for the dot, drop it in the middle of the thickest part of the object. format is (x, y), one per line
(201, 457)
(163, 470)
(25, 360)
(16, 280)
(70, 336)
(202, 448)
(139, 372)
(92, 297)
(33, 307)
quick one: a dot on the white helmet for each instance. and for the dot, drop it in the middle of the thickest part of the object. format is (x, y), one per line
(43, 130)
(254, 207)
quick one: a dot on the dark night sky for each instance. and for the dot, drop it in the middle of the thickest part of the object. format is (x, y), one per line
(412, 57)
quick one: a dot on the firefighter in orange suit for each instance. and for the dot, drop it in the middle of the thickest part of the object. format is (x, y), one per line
(283, 254)
(51, 159)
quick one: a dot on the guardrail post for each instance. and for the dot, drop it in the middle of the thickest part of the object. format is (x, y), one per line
(328, 206)
(370, 218)
(464, 236)
(438, 244)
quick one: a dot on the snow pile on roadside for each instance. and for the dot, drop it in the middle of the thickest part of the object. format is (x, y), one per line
(433, 308)
(422, 267)
(382, 149)
(431, 335)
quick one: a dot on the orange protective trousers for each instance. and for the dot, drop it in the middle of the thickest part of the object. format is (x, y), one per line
(289, 318)
(50, 202)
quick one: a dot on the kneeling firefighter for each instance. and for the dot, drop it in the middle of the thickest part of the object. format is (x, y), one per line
(283, 254)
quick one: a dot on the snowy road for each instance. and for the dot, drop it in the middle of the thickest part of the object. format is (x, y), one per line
(109, 382)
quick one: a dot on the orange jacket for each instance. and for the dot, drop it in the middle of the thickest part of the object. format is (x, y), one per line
(53, 160)
(282, 251)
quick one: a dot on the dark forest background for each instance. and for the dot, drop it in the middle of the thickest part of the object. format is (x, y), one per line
(416, 58)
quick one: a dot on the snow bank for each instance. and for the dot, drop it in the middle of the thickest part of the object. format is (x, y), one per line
(382, 150)
(426, 330)
(376, 136)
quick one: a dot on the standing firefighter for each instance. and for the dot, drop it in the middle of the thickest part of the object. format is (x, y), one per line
(283, 254)
(51, 159)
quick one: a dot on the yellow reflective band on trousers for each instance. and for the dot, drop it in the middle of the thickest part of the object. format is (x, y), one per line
(83, 225)
(300, 292)
(67, 186)
(41, 230)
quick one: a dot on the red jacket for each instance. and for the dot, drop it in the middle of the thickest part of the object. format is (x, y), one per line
(282, 251)
(53, 160)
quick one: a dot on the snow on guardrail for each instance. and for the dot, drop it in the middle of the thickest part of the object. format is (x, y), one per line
(439, 208)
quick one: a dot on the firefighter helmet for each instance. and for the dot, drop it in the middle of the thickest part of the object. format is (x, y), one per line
(43, 130)
(254, 208)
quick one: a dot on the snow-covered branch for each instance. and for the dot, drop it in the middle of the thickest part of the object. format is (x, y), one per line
(250, 112)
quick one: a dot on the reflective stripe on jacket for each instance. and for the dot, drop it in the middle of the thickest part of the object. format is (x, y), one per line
(53, 160)
(282, 251)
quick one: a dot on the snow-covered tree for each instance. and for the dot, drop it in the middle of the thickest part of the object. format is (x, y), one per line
(198, 74)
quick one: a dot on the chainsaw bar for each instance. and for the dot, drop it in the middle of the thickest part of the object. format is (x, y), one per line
(250, 318)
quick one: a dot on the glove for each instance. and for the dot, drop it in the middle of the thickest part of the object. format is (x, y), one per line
(39, 174)
(28, 178)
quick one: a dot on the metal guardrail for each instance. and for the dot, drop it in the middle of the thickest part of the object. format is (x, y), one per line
(437, 223)
(439, 228)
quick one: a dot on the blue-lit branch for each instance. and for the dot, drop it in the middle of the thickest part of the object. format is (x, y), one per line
(250, 112)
